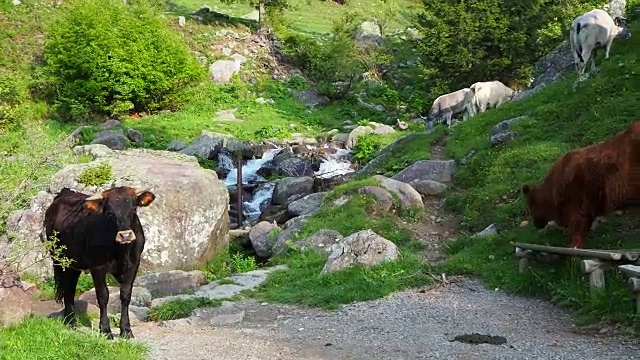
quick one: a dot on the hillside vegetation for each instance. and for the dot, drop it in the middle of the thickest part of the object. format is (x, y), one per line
(44, 97)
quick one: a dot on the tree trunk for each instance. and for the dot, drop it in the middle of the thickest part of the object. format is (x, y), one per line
(260, 14)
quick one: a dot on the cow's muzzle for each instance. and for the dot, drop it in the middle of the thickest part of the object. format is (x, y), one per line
(125, 237)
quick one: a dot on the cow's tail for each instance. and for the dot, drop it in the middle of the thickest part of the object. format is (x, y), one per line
(57, 279)
(578, 47)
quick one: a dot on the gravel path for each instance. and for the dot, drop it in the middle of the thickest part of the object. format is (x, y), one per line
(404, 325)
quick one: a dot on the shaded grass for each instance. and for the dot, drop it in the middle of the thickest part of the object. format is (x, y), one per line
(180, 308)
(488, 186)
(42, 338)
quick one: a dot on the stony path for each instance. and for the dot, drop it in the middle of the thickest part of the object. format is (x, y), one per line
(405, 325)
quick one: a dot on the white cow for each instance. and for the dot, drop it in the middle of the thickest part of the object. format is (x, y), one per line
(446, 106)
(593, 30)
(490, 94)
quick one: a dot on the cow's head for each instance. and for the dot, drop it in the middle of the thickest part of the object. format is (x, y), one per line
(535, 207)
(623, 29)
(119, 205)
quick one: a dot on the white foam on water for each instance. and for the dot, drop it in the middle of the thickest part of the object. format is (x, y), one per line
(249, 170)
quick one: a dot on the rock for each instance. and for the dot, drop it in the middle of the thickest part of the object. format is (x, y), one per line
(355, 134)
(488, 231)
(363, 248)
(290, 232)
(217, 316)
(15, 303)
(262, 236)
(182, 21)
(501, 138)
(139, 297)
(384, 200)
(437, 170)
(238, 60)
(174, 282)
(286, 163)
(16, 2)
(428, 187)
(254, 15)
(306, 205)
(311, 97)
(25, 227)
(287, 187)
(187, 224)
(134, 135)
(138, 313)
(368, 33)
(340, 138)
(222, 71)
(524, 223)
(176, 145)
(227, 115)
(111, 123)
(407, 195)
(277, 213)
(113, 139)
(503, 126)
(381, 129)
(96, 150)
(321, 240)
(207, 145)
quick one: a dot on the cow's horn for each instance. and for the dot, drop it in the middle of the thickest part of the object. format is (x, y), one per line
(96, 196)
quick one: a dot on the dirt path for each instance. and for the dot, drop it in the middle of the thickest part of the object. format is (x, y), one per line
(412, 324)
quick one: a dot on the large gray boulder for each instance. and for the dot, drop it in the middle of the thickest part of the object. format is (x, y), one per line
(408, 196)
(307, 204)
(185, 226)
(288, 187)
(207, 145)
(369, 33)
(363, 248)
(437, 170)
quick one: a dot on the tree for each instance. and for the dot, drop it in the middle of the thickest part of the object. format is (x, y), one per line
(479, 40)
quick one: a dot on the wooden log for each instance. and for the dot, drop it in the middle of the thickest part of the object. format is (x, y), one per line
(590, 265)
(596, 279)
(595, 254)
(523, 265)
(630, 270)
(634, 284)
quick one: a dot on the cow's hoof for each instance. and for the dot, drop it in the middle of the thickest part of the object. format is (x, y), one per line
(108, 335)
(126, 334)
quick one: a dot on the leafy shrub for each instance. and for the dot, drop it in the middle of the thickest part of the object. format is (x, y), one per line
(129, 60)
(227, 262)
(272, 131)
(13, 93)
(97, 175)
(482, 40)
(367, 147)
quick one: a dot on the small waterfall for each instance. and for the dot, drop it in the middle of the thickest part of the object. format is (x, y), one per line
(335, 164)
(252, 208)
(226, 162)
(249, 169)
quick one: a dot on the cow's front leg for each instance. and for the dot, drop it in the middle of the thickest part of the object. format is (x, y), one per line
(102, 295)
(126, 286)
(69, 280)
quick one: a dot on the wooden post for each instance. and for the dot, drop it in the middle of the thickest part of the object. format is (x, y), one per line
(595, 269)
(239, 186)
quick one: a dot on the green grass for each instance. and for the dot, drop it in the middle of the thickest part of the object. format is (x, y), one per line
(488, 188)
(316, 17)
(229, 261)
(302, 282)
(180, 308)
(41, 338)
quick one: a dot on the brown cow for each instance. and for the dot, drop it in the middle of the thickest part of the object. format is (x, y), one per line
(587, 183)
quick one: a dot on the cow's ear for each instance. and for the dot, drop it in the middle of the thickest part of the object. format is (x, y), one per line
(145, 198)
(526, 189)
(94, 203)
(616, 20)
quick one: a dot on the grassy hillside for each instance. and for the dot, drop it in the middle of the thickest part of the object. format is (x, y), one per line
(561, 117)
(316, 16)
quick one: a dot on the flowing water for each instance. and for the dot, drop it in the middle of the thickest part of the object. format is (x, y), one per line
(334, 165)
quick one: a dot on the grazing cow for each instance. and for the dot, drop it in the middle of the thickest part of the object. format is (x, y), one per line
(588, 183)
(593, 30)
(447, 105)
(100, 233)
(490, 94)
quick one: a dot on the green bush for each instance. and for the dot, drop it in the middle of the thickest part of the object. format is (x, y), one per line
(481, 40)
(97, 175)
(110, 57)
(367, 147)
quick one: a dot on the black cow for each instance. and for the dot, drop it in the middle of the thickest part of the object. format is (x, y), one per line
(101, 233)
